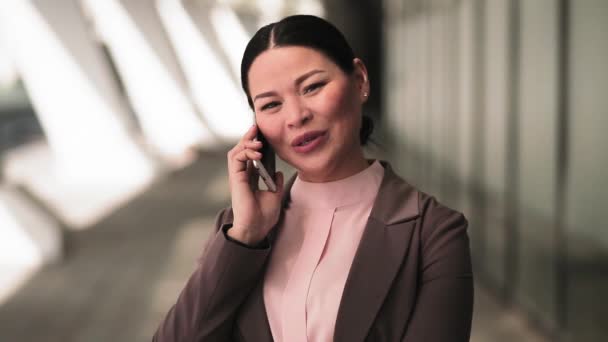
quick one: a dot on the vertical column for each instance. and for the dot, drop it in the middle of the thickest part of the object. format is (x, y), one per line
(392, 39)
(584, 162)
(423, 114)
(404, 73)
(465, 91)
(436, 96)
(408, 97)
(537, 126)
(450, 182)
(495, 139)
(477, 219)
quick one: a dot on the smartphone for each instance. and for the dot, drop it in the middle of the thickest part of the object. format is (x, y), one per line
(266, 166)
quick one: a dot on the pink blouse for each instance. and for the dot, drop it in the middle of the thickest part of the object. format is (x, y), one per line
(313, 253)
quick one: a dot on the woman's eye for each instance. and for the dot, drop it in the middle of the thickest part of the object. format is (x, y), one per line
(270, 105)
(313, 87)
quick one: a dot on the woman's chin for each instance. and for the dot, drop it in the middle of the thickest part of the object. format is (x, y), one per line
(316, 166)
(315, 171)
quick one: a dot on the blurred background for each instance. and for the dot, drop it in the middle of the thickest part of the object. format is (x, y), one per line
(115, 117)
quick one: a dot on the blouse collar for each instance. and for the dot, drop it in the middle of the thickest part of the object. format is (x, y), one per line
(360, 187)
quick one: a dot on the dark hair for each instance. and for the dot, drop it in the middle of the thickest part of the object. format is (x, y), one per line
(308, 31)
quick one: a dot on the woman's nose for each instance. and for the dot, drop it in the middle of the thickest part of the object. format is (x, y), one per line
(298, 115)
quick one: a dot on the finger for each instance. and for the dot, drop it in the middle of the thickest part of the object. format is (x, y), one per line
(253, 145)
(240, 159)
(250, 134)
(247, 154)
(245, 142)
(242, 145)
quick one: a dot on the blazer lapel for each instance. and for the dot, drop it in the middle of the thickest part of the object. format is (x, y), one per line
(380, 254)
(252, 320)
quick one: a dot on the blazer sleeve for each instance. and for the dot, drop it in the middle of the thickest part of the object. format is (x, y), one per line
(444, 307)
(225, 275)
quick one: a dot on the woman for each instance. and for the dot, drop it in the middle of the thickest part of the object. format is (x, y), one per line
(347, 251)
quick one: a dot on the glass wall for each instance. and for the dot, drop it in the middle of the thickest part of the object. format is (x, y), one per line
(498, 108)
(585, 177)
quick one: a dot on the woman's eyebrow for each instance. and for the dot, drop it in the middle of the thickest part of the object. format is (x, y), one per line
(266, 94)
(307, 75)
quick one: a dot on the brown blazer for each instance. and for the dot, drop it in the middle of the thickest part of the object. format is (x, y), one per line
(410, 280)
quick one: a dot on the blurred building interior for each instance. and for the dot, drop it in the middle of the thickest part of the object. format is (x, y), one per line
(115, 117)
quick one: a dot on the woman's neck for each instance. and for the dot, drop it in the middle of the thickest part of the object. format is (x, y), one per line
(351, 164)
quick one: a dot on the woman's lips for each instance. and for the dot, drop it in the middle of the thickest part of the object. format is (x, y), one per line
(310, 142)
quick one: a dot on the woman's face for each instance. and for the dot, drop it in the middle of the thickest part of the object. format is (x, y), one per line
(309, 110)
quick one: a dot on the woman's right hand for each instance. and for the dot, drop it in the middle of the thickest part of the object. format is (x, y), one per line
(255, 211)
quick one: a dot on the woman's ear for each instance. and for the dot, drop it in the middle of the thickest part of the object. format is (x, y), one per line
(360, 74)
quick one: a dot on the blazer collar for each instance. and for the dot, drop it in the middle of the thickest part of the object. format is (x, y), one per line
(397, 201)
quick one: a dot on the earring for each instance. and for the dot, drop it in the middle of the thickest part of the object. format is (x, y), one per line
(365, 94)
